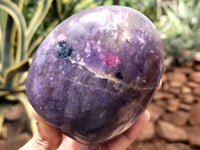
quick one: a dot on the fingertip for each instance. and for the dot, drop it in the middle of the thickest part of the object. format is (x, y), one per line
(159, 85)
(146, 116)
(137, 127)
(123, 141)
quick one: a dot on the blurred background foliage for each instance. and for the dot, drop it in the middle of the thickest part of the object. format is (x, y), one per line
(25, 23)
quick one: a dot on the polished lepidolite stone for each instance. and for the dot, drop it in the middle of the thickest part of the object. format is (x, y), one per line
(95, 73)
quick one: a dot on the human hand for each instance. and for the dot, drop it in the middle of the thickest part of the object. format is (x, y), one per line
(49, 138)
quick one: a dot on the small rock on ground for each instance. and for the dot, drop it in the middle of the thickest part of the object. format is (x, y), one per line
(194, 118)
(147, 133)
(194, 135)
(18, 141)
(155, 111)
(171, 132)
(2, 144)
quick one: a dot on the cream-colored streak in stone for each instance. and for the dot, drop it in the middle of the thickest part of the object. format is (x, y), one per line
(111, 79)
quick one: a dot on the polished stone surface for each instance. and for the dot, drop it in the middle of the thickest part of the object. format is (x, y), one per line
(96, 72)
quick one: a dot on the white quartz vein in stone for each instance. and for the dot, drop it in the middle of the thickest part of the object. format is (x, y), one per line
(110, 78)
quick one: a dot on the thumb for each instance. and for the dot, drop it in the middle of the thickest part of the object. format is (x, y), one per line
(46, 136)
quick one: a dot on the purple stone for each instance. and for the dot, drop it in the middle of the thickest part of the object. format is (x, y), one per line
(96, 72)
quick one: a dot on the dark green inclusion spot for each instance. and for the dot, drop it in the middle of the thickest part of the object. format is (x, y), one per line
(63, 51)
(119, 75)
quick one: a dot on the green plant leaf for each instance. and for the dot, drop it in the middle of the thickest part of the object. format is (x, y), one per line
(11, 74)
(34, 45)
(1, 43)
(3, 107)
(24, 100)
(13, 10)
(21, 80)
(59, 8)
(13, 59)
(7, 43)
(1, 120)
(2, 30)
(37, 42)
(42, 9)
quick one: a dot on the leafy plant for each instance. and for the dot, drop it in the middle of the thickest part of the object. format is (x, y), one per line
(23, 25)
(147, 7)
(15, 43)
(180, 29)
(151, 8)
(178, 22)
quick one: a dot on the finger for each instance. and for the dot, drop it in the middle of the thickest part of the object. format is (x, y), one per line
(70, 144)
(46, 137)
(159, 86)
(129, 136)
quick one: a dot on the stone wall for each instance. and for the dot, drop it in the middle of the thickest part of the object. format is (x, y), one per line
(175, 113)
